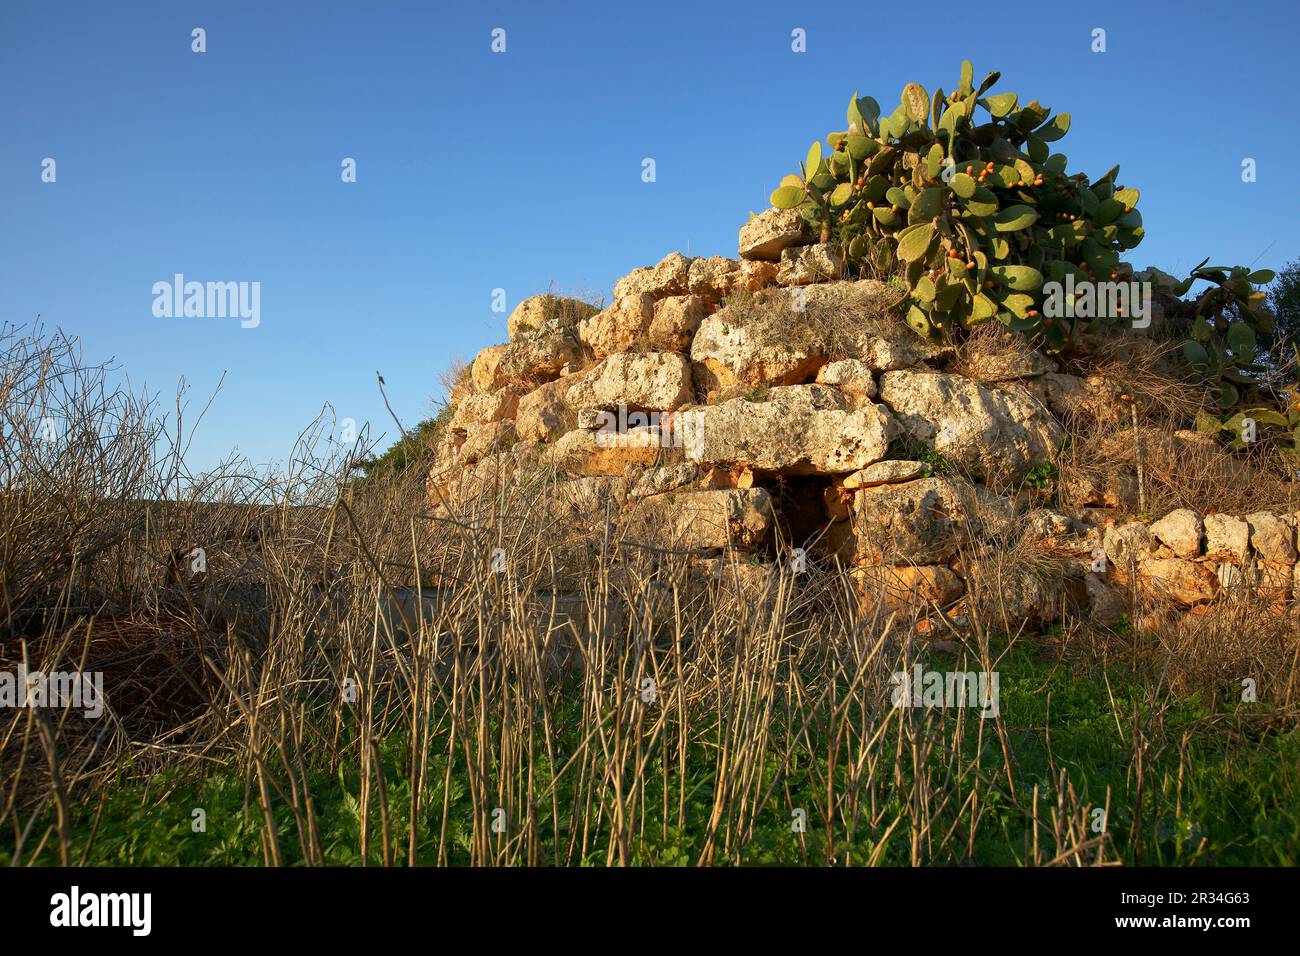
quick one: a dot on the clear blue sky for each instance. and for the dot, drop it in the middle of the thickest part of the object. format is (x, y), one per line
(478, 171)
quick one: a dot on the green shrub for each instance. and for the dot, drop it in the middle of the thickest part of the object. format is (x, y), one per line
(417, 448)
(980, 214)
(962, 195)
(1042, 476)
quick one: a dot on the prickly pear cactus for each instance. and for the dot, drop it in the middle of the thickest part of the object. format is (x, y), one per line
(962, 192)
(963, 195)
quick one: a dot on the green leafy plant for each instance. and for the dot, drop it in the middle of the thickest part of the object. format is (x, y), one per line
(1041, 476)
(1277, 429)
(962, 196)
(1225, 325)
(416, 448)
(912, 449)
(962, 192)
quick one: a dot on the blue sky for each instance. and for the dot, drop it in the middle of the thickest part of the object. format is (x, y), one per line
(479, 171)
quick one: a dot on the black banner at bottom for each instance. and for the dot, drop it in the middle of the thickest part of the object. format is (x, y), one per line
(337, 906)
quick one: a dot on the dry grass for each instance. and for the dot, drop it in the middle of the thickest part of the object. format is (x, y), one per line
(824, 323)
(1141, 408)
(489, 686)
(989, 346)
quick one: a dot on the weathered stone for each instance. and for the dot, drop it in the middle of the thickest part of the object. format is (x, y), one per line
(458, 483)
(881, 355)
(1092, 530)
(642, 380)
(1227, 539)
(907, 586)
(995, 433)
(885, 473)
(727, 353)
(586, 453)
(1272, 582)
(1005, 357)
(1180, 531)
(675, 320)
(659, 479)
(1106, 604)
(544, 414)
(1113, 489)
(479, 408)
(1230, 576)
(1179, 580)
(1012, 592)
(770, 232)
(1126, 543)
(1272, 538)
(740, 577)
(756, 275)
(798, 429)
(804, 265)
(486, 438)
(530, 361)
(584, 501)
(541, 358)
(624, 324)
(782, 337)
(1071, 398)
(623, 425)
(713, 278)
(1045, 525)
(791, 374)
(837, 501)
(864, 304)
(703, 519)
(849, 375)
(836, 541)
(582, 393)
(547, 314)
(483, 372)
(925, 521)
(669, 277)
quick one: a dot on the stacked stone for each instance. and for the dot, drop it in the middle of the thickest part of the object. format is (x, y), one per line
(1192, 560)
(751, 405)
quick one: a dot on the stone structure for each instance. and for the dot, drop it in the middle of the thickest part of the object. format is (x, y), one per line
(766, 408)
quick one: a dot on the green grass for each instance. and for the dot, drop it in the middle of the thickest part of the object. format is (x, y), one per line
(1240, 794)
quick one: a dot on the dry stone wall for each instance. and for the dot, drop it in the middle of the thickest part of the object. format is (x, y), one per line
(753, 406)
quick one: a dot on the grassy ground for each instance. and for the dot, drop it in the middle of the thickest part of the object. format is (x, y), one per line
(255, 671)
(1217, 788)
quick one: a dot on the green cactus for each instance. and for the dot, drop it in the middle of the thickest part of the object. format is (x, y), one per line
(1222, 324)
(978, 214)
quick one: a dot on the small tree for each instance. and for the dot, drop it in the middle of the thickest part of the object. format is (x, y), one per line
(1284, 302)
